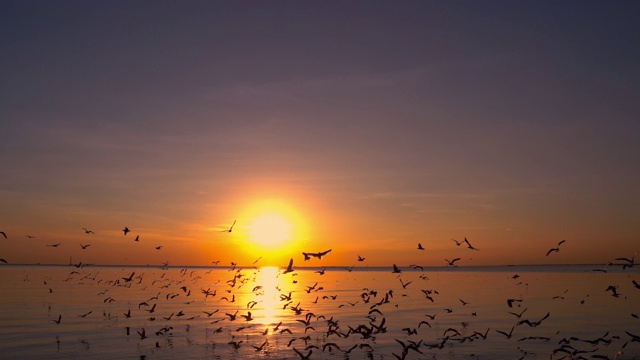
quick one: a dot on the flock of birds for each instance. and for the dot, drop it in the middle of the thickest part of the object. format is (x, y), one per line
(309, 334)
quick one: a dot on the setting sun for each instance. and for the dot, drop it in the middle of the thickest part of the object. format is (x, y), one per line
(270, 229)
(274, 230)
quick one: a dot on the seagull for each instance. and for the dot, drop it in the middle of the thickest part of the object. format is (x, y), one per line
(84, 246)
(159, 247)
(231, 228)
(555, 249)
(59, 319)
(4, 261)
(360, 258)
(137, 238)
(458, 243)
(452, 262)
(126, 230)
(469, 245)
(396, 270)
(508, 335)
(86, 231)
(319, 255)
(289, 267)
(54, 245)
(420, 247)
(3, 234)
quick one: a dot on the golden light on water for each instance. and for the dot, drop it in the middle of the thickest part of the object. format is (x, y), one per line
(269, 308)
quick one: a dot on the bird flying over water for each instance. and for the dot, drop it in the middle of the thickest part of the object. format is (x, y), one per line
(360, 258)
(452, 262)
(555, 249)
(289, 267)
(319, 255)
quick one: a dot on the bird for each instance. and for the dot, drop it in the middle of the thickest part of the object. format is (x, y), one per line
(507, 335)
(360, 258)
(289, 267)
(84, 246)
(31, 237)
(458, 243)
(420, 246)
(126, 230)
(230, 229)
(87, 231)
(54, 245)
(319, 255)
(58, 320)
(555, 249)
(4, 261)
(159, 247)
(396, 270)
(137, 238)
(302, 356)
(469, 245)
(452, 262)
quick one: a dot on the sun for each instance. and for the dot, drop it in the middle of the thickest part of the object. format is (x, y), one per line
(273, 230)
(270, 229)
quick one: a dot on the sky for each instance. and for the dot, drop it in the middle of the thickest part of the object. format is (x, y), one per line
(365, 127)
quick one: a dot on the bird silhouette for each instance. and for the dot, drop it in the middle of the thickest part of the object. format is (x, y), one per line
(396, 269)
(360, 258)
(318, 255)
(555, 249)
(87, 231)
(84, 246)
(452, 262)
(230, 229)
(420, 246)
(126, 231)
(289, 267)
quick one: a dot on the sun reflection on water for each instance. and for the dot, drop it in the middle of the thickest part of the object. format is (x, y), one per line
(268, 309)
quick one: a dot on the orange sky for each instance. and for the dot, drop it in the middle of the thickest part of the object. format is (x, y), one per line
(369, 129)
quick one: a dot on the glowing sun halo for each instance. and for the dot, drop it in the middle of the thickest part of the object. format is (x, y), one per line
(270, 230)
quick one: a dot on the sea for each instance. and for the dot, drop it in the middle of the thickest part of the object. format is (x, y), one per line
(161, 312)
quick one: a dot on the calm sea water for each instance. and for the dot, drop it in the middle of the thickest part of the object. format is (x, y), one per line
(102, 314)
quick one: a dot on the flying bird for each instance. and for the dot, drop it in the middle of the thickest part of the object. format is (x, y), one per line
(86, 231)
(360, 258)
(319, 255)
(469, 245)
(420, 246)
(452, 262)
(137, 238)
(54, 245)
(84, 246)
(3, 234)
(159, 247)
(126, 230)
(230, 229)
(555, 249)
(289, 267)
(396, 269)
